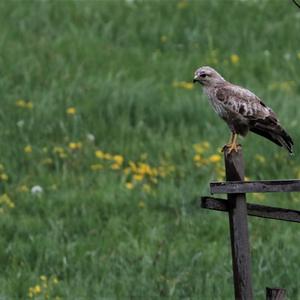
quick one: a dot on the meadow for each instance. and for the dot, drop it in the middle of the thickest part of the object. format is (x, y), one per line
(106, 146)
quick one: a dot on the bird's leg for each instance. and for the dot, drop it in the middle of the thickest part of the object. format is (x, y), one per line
(232, 145)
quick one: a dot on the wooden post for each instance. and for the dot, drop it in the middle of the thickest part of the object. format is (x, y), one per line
(275, 294)
(237, 210)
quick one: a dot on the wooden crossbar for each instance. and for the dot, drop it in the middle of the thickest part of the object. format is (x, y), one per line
(263, 186)
(255, 210)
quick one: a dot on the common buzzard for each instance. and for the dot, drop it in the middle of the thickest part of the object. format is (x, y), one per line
(241, 110)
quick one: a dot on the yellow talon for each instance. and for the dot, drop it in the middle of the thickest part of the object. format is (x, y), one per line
(232, 145)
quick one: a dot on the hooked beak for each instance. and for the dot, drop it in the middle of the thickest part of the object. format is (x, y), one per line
(195, 79)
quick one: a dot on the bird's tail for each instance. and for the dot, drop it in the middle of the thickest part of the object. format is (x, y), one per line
(274, 133)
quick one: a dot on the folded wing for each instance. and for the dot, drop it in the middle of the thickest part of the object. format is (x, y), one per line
(260, 118)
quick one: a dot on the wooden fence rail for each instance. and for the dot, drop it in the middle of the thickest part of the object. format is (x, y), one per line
(238, 210)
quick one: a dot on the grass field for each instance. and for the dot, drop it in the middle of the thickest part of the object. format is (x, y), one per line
(106, 146)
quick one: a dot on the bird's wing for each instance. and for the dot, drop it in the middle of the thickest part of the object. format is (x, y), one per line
(262, 120)
(243, 102)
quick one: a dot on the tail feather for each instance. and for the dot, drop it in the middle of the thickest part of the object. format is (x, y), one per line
(274, 133)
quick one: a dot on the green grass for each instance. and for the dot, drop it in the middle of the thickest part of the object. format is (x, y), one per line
(116, 62)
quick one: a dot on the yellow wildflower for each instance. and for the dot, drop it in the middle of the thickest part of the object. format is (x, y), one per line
(144, 169)
(20, 103)
(75, 146)
(28, 149)
(141, 204)
(298, 54)
(138, 177)
(260, 158)
(183, 85)
(287, 86)
(234, 58)
(115, 166)
(146, 188)
(182, 4)
(144, 156)
(96, 167)
(154, 180)
(99, 154)
(47, 161)
(37, 289)
(197, 158)
(201, 147)
(43, 278)
(55, 280)
(215, 158)
(5, 200)
(29, 105)
(107, 156)
(259, 196)
(23, 188)
(4, 177)
(119, 159)
(24, 104)
(71, 111)
(126, 170)
(132, 166)
(163, 39)
(60, 151)
(129, 185)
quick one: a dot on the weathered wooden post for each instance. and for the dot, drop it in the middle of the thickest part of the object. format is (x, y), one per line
(237, 211)
(275, 294)
(236, 188)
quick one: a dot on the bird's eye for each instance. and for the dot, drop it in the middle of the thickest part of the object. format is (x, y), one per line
(203, 75)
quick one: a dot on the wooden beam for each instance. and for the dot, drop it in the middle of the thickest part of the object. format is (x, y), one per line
(263, 186)
(275, 294)
(239, 236)
(254, 210)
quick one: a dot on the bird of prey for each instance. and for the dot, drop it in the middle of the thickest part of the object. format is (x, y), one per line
(241, 110)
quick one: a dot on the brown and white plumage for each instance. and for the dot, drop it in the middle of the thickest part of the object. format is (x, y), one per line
(241, 109)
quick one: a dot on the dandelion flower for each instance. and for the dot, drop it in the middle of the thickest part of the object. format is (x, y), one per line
(163, 39)
(28, 149)
(75, 146)
(129, 185)
(55, 280)
(146, 188)
(141, 204)
(234, 58)
(215, 158)
(23, 188)
(37, 289)
(183, 85)
(96, 167)
(99, 154)
(37, 190)
(260, 158)
(5, 200)
(119, 159)
(71, 111)
(182, 4)
(115, 166)
(138, 177)
(24, 104)
(4, 177)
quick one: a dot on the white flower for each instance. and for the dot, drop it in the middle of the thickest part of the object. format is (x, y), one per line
(90, 137)
(36, 190)
(20, 123)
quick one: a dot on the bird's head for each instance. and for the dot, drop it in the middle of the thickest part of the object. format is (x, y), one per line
(207, 76)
